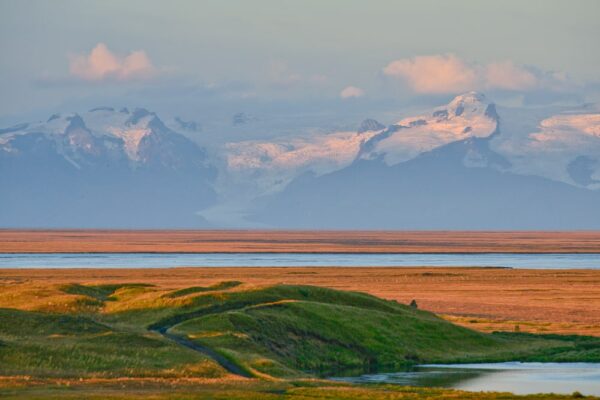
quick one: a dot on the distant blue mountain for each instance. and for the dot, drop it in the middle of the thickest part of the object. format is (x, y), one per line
(436, 190)
(135, 173)
(463, 165)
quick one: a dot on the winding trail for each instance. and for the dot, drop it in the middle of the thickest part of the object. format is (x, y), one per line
(220, 359)
(162, 327)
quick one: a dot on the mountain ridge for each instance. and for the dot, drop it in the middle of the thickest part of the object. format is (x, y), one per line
(78, 173)
(435, 190)
(78, 169)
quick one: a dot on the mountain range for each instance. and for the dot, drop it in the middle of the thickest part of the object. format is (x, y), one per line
(464, 165)
(103, 169)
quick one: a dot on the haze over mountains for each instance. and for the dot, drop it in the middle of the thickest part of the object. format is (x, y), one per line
(464, 165)
(104, 168)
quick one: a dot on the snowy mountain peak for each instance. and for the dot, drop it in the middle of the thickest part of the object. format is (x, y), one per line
(138, 137)
(137, 115)
(103, 168)
(75, 122)
(370, 125)
(466, 116)
(467, 105)
(468, 99)
(274, 163)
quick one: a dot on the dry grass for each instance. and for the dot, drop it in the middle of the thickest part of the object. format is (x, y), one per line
(228, 389)
(540, 327)
(558, 301)
(98, 241)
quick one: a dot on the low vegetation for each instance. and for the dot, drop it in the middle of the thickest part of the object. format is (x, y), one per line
(59, 345)
(284, 336)
(249, 390)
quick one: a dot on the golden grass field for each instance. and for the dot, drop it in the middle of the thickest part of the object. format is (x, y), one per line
(543, 301)
(99, 241)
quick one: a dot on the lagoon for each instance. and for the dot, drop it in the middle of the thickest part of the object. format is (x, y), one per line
(514, 377)
(164, 260)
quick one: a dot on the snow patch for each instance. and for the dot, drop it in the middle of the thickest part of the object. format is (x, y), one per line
(131, 138)
(464, 117)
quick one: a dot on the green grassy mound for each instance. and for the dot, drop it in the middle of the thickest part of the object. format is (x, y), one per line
(20, 324)
(278, 331)
(200, 289)
(100, 293)
(59, 345)
(287, 330)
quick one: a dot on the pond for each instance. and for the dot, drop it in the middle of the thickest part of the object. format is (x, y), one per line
(514, 377)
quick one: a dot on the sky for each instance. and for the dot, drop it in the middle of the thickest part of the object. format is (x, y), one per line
(295, 55)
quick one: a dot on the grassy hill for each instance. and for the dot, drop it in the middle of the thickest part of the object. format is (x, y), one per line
(269, 332)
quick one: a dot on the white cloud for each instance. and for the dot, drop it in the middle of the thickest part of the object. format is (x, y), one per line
(443, 74)
(506, 75)
(102, 64)
(351, 91)
(434, 74)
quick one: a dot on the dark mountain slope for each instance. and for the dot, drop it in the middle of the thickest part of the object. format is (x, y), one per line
(457, 186)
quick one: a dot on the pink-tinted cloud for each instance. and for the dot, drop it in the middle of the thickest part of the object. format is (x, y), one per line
(351, 91)
(443, 74)
(434, 74)
(506, 75)
(102, 64)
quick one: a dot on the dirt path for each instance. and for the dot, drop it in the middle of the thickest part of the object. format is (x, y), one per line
(207, 351)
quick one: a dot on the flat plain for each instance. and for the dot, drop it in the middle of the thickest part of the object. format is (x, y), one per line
(257, 241)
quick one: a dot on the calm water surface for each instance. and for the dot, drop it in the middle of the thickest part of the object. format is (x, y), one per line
(158, 260)
(515, 377)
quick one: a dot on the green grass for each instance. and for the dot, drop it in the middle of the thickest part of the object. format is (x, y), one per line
(251, 390)
(26, 324)
(281, 331)
(100, 293)
(42, 344)
(287, 330)
(199, 289)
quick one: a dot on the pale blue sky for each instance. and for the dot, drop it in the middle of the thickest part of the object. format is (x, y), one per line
(297, 51)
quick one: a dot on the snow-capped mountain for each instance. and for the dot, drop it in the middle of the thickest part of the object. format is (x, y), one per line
(115, 167)
(138, 138)
(102, 168)
(435, 190)
(268, 166)
(468, 115)
(456, 168)
(564, 147)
